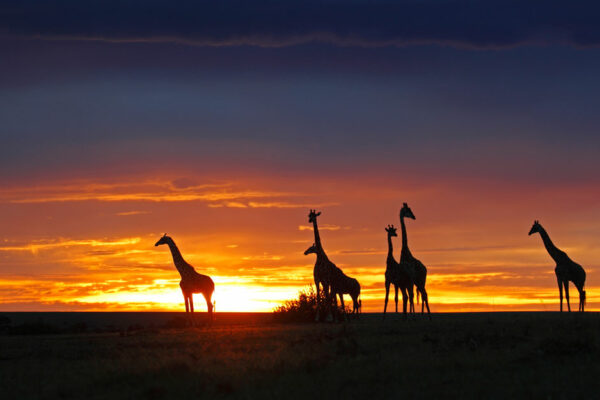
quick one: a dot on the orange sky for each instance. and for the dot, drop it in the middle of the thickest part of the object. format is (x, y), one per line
(89, 244)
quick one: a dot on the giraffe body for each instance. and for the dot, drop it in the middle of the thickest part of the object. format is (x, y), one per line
(342, 284)
(191, 281)
(566, 269)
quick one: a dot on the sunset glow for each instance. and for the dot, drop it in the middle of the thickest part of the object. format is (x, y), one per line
(102, 256)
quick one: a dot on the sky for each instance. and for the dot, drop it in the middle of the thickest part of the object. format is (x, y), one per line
(223, 123)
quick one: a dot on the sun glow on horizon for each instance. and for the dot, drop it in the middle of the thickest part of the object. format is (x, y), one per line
(102, 255)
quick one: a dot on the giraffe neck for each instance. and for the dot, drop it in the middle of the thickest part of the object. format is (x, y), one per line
(317, 236)
(405, 252)
(321, 256)
(390, 247)
(554, 252)
(178, 260)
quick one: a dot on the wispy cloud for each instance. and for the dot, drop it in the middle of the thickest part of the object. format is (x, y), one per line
(490, 24)
(36, 246)
(149, 191)
(263, 257)
(363, 252)
(271, 204)
(128, 213)
(324, 227)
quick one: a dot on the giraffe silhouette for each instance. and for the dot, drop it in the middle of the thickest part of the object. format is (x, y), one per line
(419, 271)
(397, 275)
(323, 272)
(191, 281)
(341, 284)
(566, 269)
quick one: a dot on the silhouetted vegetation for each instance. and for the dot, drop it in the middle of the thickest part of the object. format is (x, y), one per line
(304, 308)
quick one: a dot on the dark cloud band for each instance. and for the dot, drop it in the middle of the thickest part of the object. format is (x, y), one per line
(470, 24)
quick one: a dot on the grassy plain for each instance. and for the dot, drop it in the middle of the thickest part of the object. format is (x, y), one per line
(487, 355)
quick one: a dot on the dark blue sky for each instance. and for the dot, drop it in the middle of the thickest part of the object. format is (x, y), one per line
(500, 89)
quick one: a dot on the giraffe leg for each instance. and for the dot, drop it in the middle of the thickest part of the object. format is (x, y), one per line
(404, 301)
(387, 293)
(560, 292)
(411, 298)
(581, 291)
(425, 300)
(581, 298)
(396, 297)
(319, 300)
(192, 315)
(354, 304)
(331, 300)
(187, 305)
(187, 310)
(566, 282)
(209, 305)
(344, 316)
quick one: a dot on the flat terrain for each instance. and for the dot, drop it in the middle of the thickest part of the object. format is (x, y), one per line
(488, 355)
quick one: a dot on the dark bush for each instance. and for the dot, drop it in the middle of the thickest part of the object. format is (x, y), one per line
(304, 308)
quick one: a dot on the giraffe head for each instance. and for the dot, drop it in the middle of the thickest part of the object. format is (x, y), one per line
(163, 240)
(535, 228)
(311, 249)
(406, 212)
(312, 216)
(391, 230)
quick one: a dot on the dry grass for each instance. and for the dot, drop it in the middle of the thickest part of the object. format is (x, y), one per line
(527, 355)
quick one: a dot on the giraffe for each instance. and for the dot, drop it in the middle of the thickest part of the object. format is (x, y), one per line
(397, 275)
(418, 270)
(341, 284)
(323, 270)
(191, 281)
(566, 269)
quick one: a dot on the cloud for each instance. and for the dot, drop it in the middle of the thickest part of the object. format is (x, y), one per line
(36, 246)
(128, 213)
(474, 24)
(271, 204)
(323, 227)
(363, 252)
(149, 191)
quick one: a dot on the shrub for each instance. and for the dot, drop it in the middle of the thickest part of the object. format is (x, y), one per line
(304, 308)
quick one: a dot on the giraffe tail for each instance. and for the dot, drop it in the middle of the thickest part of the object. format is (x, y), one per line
(418, 295)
